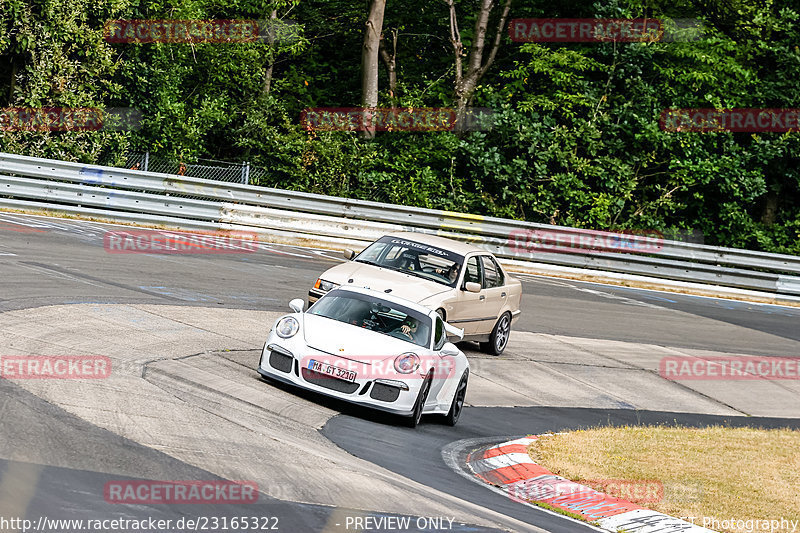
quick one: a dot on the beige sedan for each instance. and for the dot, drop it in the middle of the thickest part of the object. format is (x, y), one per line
(464, 284)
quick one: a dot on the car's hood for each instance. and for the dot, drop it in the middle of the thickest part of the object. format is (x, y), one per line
(352, 342)
(379, 279)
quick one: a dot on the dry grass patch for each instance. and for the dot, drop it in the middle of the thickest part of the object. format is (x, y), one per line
(719, 472)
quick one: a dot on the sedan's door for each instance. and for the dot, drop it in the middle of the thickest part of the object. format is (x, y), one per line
(494, 290)
(468, 307)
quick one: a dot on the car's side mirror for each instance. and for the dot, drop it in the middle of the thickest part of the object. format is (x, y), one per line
(297, 305)
(450, 349)
(348, 254)
(471, 286)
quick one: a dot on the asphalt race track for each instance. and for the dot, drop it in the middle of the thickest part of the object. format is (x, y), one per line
(184, 333)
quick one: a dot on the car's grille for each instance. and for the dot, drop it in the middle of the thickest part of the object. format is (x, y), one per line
(329, 382)
(280, 361)
(384, 393)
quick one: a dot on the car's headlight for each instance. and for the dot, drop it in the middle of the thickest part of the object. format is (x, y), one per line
(325, 286)
(406, 363)
(287, 327)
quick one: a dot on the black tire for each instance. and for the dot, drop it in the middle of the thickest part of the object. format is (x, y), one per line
(441, 314)
(498, 340)
(414, 420)
(451, 418)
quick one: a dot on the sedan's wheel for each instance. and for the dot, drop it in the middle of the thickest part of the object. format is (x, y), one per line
(415, 418)
(458, 401)
(499, 337)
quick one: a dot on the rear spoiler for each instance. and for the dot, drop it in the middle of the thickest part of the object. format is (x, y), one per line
(454, 331)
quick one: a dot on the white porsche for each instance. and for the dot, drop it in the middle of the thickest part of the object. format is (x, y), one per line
(371, 349)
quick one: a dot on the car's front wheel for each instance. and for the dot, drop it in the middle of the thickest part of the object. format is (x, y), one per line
(499, 337)
(451, 418)
(415, 418)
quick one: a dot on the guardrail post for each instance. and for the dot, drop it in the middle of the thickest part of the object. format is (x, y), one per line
(146, 160)
(246, 173)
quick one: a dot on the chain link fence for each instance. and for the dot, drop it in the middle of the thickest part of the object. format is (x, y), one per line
(251, 175)
(209, 169)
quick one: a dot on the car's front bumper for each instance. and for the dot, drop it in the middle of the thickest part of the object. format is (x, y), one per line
(370, 392)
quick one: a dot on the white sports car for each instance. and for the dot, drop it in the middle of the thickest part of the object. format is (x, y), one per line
(372, 349)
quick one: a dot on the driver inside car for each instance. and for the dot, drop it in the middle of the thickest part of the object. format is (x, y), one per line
(451, 273)
(408, 329)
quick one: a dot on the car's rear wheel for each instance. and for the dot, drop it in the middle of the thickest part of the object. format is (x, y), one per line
(498, 340)
(414, 420)
(451, 418)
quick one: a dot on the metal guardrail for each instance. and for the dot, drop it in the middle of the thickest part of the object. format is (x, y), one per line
(124, 191)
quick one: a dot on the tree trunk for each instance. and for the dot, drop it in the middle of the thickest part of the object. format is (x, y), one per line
(465, 83)
(770, 212)
(369, 63)
(271, 40)
(13, 82)
(390, 61)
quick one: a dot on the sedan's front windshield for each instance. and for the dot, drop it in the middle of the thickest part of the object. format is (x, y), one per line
(375, 315)
(414, 258)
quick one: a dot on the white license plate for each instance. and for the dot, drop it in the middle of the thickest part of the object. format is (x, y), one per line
(333, 371)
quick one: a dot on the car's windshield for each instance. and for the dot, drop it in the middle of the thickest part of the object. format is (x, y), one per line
(414, 258)
(375, 315)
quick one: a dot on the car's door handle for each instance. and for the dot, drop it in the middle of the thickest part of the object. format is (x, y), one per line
(482, 297)
(502, 295)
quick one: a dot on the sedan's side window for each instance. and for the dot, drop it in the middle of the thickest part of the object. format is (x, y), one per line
(491, 274)
(501, 278)
(473, 272)
(439, 337)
